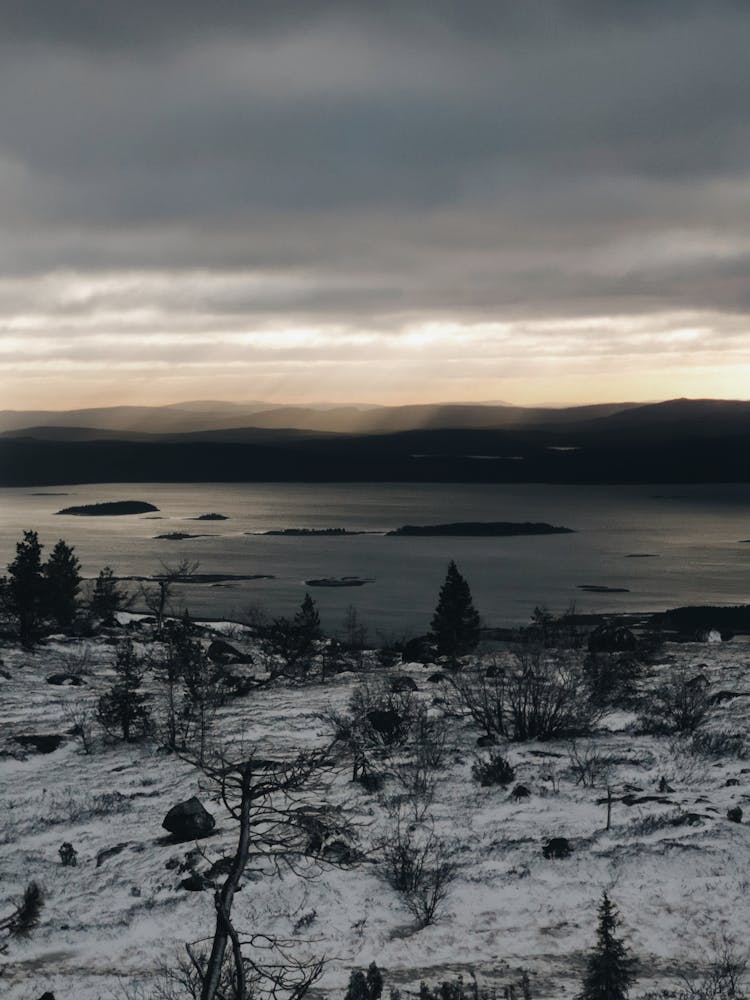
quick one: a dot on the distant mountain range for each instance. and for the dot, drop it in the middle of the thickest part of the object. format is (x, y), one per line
(680, 440)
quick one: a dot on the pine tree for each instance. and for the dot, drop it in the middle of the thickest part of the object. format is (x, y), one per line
(365, 986)
(107, 598)
(62, 583)
(455, 623)
(24, 588)
(609, 971)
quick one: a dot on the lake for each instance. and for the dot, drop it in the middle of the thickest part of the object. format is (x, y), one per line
(692, 535)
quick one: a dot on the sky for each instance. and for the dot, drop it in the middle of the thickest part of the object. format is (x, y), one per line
(530, 201)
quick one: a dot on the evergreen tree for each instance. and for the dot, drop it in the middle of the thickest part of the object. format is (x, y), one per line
(455, 623)
(365, 986)
(609, 970)
(24, 588)
(294, 639)
(124, 708)
(108, 598)
(62, 583)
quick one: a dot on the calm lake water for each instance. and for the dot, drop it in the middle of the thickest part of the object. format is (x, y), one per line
(693, 533)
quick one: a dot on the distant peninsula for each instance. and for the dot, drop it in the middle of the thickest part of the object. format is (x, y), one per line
(482, 529)
(338, 581)
(115, 508)
(212, 516)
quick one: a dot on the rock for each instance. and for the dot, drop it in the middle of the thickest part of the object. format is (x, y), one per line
(338, 852)
(5, 674)
(488, 740)
(731, 782)
(401, 683)
(68, 855)
(734, 815)
(194, 883)
(172, 863)
(220, 651)
(109, 852)
(387, 723)
(40, 742)
(437, 678)
(520, 792)
(610, 638)
(70, 680)
(557, 847)
(189, 820)
(48, 995)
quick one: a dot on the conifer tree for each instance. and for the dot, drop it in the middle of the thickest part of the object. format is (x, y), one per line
(108, 598)
(62, 581)
(609, 970)
(455, 623)
(24, 588)
(124, 708)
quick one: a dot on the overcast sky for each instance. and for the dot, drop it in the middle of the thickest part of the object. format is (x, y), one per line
(409, 200)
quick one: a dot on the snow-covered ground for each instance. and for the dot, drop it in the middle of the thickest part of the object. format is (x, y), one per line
(109, 924)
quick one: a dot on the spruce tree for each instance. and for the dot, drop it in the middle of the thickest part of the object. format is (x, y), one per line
(62, 583)
(609, 970)
(24, 588)
(455, 623)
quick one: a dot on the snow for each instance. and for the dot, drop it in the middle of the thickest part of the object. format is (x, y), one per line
(676, 887)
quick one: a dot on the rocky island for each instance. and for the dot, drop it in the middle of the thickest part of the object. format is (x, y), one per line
(113, 508)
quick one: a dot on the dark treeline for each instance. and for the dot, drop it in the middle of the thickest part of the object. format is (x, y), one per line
(623, 456)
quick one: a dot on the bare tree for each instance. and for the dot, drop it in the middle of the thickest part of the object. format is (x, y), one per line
(271, 804)
(158, 598)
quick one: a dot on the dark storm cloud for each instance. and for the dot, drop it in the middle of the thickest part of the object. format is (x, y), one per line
(368, 166)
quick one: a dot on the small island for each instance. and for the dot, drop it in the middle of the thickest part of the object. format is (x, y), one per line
(338, 581)
(484, 529)
(593, 588)
(212, 516)
(114, 508)
(178, 536)
(326, 532)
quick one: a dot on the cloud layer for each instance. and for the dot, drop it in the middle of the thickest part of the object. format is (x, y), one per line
(405, 200)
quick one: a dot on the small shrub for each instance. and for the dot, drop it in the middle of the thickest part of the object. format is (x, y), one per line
(718, 744)
(415, 864)
(591, 767)
(679, 704)
(494, 770)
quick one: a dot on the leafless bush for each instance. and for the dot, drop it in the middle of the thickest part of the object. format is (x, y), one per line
(679, 704)
(538, 696)
(81, 717)
(723, 978)
(416, 864)
(591, 767)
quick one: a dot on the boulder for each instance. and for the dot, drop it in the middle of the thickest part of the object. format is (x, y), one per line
(220, 651)
(40, 742)
(488, 740)
(69, 680)
(189, 820)
(387, 723)
(734, 815)
(557, 847)
(401, 684)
